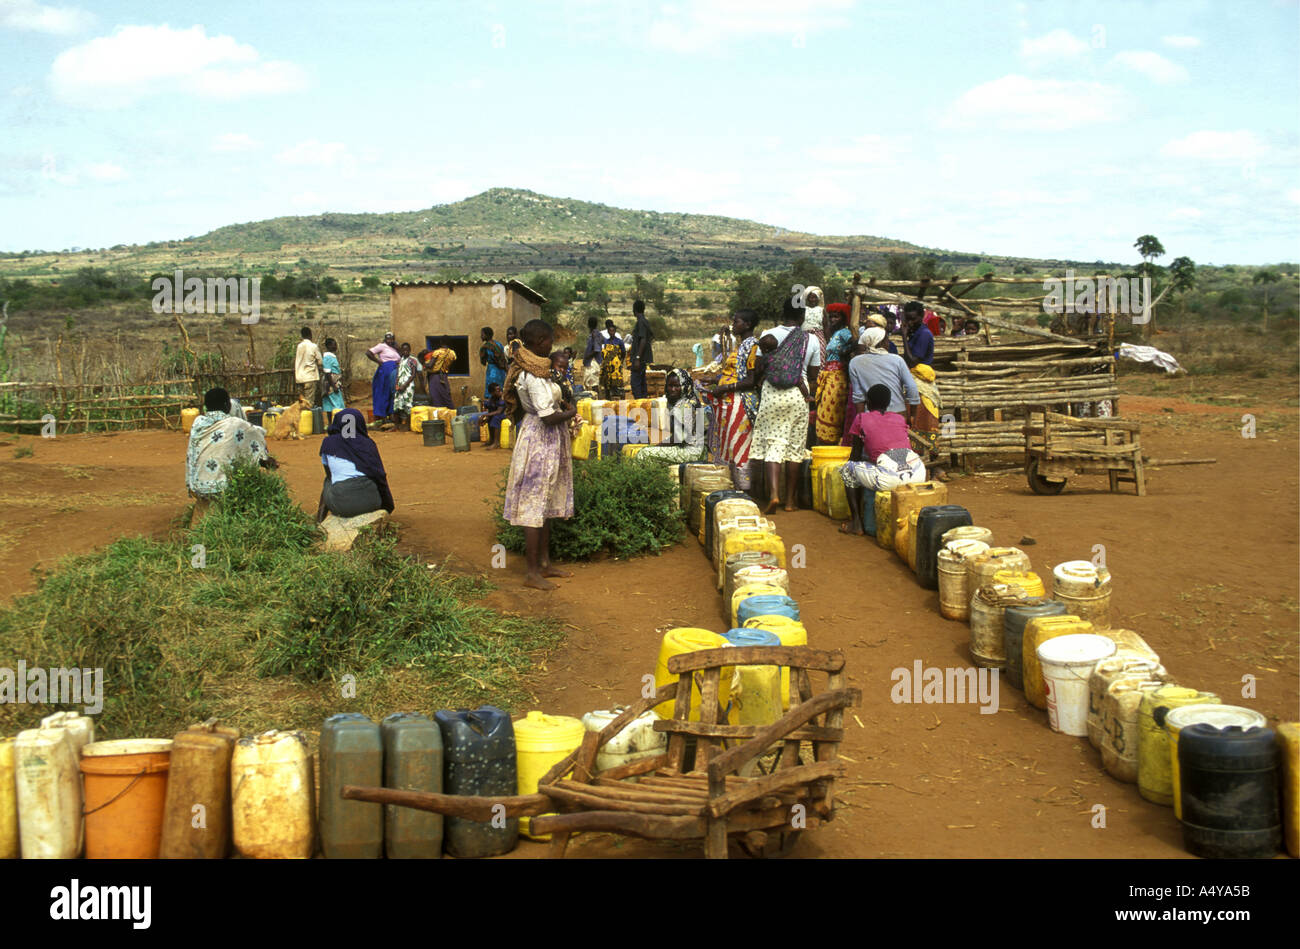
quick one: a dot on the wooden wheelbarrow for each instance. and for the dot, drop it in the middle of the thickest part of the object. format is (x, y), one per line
(1058, 447)
(711, 801)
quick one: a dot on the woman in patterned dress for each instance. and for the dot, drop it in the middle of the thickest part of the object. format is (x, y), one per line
(832, 382)
(540, 486)
(688, 424)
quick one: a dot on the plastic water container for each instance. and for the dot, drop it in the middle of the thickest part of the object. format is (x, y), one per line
(125, 784)
(711, 502)
(80, 727)
(729, 541)
(1155, 776)
(980, 568)
(764, 574)
(1119, 724)
(636, 741)
(932, 525)
(9, 846)
(829, 455)
(541, 742)
(187, 419)
(790, 632)
(507, 439)
(272, 796)
(885, 520)
(1109, 671)
(764, 605)
(1013, 633)
(479, 755)
(1067, 662)
(736, 541)
(412, 762)
(1130, 644)
(48, 793)
(910, 497)
(683, 640)
(734, 514)
(692, 472)
(1229, 788)
(1037, 631)
(967, 532)
(460, 427)
(987, 607)
(909, 548)
(950, 570)
(419, 415)
(902, 535)
(1085, 590)
(1220, 716)
(196, 815)
(351, 752)
(736, 562)
(745, 590)
(1027, 580)
(834, 492)
(1288, 746)
(757, 699)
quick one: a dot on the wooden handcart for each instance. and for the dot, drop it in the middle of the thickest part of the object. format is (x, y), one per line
(712, 800)
(1060, 446)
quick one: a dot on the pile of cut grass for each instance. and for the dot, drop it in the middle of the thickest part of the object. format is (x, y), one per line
(245, 618)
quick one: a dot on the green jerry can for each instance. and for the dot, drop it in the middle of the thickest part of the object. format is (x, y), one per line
(351, 752)
(412, 762)
(460, 433)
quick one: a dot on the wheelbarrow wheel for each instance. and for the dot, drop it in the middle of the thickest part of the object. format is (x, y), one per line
(1039, 484)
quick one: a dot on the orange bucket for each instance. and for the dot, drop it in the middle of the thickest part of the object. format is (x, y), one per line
(125, 790)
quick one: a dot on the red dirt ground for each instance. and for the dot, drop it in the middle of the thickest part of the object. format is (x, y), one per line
(1205, 569)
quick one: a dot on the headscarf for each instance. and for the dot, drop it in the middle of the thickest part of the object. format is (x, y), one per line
(838, 309)
(360, 449)
(875, 319)
(927, 388)
(687, 412)
(522, 359)
(872, 337)
(812, 317)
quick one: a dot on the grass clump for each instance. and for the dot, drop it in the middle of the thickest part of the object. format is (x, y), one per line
(245, 618)
(619, 507)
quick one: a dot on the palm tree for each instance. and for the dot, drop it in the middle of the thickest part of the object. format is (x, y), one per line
(1149, 246)
(1265, 277)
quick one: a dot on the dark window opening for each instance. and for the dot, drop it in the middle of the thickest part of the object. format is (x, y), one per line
(457, 344)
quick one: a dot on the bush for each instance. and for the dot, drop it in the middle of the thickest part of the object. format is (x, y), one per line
(619, 507)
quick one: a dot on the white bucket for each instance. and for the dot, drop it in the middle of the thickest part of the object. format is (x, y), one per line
(1067, 663)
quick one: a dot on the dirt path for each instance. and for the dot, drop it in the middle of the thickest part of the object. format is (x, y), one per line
(1205, 568)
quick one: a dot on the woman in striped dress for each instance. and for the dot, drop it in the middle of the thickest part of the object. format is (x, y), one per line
(736, 398)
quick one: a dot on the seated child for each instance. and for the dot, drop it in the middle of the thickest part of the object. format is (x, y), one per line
(494, 408)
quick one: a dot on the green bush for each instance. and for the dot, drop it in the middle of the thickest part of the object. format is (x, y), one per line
(619, 507)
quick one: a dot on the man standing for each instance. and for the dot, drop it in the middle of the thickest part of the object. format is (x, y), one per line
(919, 346)
(642, 354)
(307, 368)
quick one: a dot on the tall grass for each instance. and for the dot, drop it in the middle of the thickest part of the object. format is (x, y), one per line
(245, 618)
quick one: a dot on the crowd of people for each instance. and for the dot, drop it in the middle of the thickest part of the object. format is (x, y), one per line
(806, 381)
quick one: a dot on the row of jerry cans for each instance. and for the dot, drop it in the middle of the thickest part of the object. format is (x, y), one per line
(1109, 685)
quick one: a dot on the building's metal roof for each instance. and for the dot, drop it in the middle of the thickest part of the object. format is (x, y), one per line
(527, 292)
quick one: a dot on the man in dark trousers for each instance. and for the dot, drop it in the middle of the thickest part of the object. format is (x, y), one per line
(641, 354)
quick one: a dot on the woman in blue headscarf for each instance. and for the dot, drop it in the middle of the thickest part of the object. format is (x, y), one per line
(355, 480)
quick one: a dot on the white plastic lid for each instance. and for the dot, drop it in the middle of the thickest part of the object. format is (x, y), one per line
(965, 547)
(1081, 571)
(127, 746)
(1220, 716)
(1076, 648)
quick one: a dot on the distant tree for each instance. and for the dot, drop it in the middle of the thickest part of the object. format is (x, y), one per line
(556, 288)
(370, 282)
(701, 302)
(928, 266)
(1149, 248)
(1264, 278)
(900, 267)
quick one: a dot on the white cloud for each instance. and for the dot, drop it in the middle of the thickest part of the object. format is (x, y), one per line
(1293, 195)
(695, 25)
(1152, 65)
(1181, 42)
(1046, 104)
(106, 171)
(312, 153)
(862, 150)
(1054, 47)
(1185, 214)
(1240, 145)
(234, 142)
(38, 18)
(138, 61)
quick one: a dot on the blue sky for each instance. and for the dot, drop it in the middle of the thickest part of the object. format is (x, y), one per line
(1037, 129)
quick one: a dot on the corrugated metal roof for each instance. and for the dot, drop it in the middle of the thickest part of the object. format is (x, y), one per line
(518, 286)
